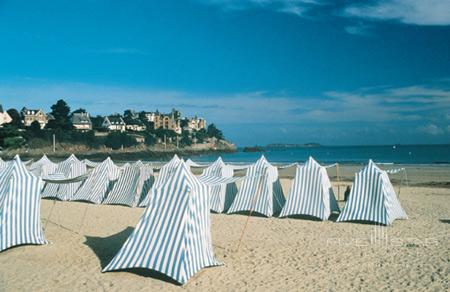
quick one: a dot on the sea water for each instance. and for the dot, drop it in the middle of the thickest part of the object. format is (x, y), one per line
(397, 154)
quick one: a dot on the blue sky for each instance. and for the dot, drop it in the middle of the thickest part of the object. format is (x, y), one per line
(265, 71)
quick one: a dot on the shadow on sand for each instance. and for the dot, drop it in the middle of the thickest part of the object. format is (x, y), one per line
(333, 217)
(105, 248)
(247, 213)
(149, 274)
(365, 222)
(52, 199)
(303, 217)
(445, 221)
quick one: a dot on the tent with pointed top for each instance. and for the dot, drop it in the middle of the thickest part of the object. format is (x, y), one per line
(99, 183)
(164, 173)
(70, 168)
(221, 195)
(372, 198)
(132, 185)
(260, 191)
(173, 236)
(43, 166)
(20, 206)
(311, 193)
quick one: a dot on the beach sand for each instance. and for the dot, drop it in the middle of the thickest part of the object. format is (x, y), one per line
(275, 255)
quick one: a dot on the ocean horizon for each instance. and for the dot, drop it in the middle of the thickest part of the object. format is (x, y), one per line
(356, 154)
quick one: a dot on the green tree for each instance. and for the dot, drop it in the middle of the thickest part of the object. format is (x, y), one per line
(14, 142)
(35, 129)
(131, 114)
(168, 133)
(185, 139)
(97, 122)
(150, 126)
(150, 139)
(200, 135)
(9, 135)
(16, 118)
(60, 111)
(79, 111)
(116, 140)
(87, 138)
(213, 131)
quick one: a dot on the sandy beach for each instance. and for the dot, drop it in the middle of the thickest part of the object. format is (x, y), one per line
(198, 108)
(275, 255)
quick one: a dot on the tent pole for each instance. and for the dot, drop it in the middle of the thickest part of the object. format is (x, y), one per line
(84, 216)
(406, 177)
(338, 180)
(59, 225)
(50, 215)
(251, 211)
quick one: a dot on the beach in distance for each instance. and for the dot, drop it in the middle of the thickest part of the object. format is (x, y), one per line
(425, 165)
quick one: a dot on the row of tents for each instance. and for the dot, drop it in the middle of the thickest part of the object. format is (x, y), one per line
(173, 236)
(311, 193)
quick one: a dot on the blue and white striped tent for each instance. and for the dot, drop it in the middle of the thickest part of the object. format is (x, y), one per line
(70, 168)
(145, 183)
(221, 195)
(260, 191)
(173, 236)
(20, 206)
(132, 186)
(99, 183)
(43, 166)
(164, 173)
(372, 198)
(2, 163)
(311, 192)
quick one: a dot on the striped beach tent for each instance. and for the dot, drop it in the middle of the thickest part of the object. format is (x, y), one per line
(164, 173)
(221, 195)
(311, 193)
(20, 206)
(43, 166)
(372, 198)
(260, 191)
(70, 168)
(145, 183)
(173, 236)
(99, 183)
(131, 186)
(2, 163)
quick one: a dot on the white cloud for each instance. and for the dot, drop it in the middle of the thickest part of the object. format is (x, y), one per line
(419, 104)
(359, 29)
(431, 129)
(296, 7)
(417, 12)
